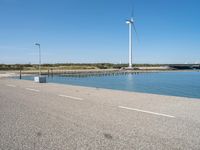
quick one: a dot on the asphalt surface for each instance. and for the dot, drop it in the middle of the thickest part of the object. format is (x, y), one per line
(63, 117)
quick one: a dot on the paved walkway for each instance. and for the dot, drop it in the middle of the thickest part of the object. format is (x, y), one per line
(59, 117)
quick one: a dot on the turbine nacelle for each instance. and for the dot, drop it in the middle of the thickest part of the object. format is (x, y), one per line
(37, 44)
(130, 21)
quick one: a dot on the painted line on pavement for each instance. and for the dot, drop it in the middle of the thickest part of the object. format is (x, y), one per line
(10, 85)
(148, 112)
(34, 90)
(71, 97)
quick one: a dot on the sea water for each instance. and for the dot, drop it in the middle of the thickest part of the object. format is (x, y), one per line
(183, 84)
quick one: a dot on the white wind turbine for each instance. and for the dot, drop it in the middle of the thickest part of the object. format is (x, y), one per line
(131, 24)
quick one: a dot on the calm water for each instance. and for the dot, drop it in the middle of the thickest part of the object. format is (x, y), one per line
(184, 84)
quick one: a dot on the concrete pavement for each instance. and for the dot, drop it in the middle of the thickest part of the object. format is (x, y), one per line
(59, 117)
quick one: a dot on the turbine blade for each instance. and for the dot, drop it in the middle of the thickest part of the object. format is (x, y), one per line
(132, 9)
(137, 35)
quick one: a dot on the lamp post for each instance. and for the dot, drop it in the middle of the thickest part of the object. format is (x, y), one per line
(37, 44)
(40, 78)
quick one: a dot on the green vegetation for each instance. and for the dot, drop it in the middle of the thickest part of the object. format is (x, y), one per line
(11, 67)
(82, 66)
(60, 66)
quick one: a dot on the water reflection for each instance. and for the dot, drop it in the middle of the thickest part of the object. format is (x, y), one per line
(186, 84)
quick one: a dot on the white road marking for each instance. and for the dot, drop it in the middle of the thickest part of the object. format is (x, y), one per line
(71, 97)
(144, 111)
(32, 90)
(10, 85)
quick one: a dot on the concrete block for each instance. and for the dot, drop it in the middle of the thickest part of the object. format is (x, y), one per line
(40, 79)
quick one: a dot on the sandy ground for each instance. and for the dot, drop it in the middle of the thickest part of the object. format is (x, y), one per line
(4, 74)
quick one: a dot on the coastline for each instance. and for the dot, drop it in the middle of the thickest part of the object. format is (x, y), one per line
(56, 86)
(12, 73)
(10, 77)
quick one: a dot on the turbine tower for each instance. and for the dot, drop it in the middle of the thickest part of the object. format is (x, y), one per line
(130, 24)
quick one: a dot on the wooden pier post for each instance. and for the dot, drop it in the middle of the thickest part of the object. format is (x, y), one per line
(48, 72)
(20, 74)
(52, 72)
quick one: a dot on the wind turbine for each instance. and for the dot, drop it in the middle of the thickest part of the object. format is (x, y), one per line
(131, 24)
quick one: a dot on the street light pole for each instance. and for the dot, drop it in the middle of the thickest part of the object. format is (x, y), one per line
(37, 44)
(39, 79)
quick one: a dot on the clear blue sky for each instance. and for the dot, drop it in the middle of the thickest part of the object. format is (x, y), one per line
(95, 31)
